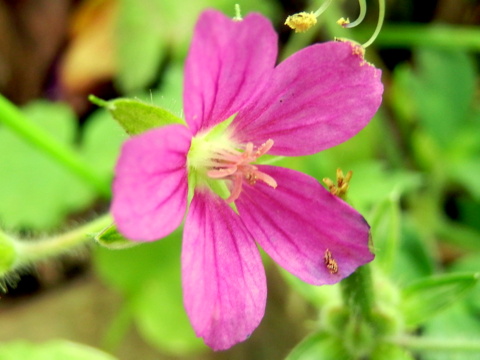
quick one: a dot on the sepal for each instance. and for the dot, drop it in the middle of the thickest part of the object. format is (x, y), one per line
(136, 116)
(111, 239)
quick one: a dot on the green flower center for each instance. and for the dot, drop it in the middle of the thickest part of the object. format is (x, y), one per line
(216, 161)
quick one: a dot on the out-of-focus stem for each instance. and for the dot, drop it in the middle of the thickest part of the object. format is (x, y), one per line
(13, 118)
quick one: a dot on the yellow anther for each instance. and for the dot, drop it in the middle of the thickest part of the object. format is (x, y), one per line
(330, 262)
(341, 187)
(343, 22)
(301, 22)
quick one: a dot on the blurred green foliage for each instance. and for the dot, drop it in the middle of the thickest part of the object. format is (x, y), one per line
(416, 180)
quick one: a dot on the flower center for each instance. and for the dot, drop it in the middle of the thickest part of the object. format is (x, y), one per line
(236, 166)
(221, 159)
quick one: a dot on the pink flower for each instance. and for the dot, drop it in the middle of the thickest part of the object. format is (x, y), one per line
(239, 106)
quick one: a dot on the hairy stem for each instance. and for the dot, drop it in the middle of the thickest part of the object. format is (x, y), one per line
(30, 251)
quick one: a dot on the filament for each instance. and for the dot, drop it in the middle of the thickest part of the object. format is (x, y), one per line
(381, 16)
(361, 16)
(322, 8)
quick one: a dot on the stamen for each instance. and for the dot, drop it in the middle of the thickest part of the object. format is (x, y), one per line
(381, 16)
(267, 179)
(221, 173)
(264, 148)
(236, 190)
(322, 8)
(238, 15)
(330, 262)
(230, 164)
(341, 187)
(363, 10)
(301, 22)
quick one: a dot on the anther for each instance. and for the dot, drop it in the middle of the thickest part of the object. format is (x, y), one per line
(301, 22)
(330, 262)
(339, 188)
(363, 11)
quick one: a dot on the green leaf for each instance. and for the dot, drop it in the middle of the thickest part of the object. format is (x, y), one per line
(454, 334)
(372, 183)
(135, 116)
(424, 298)
(390, 352)
(111, 239)
(414, 259)
(150, 31)
(102, 139)
(8, 254)
(319, 346)
(443, 91)
(457, 328)
(52, 350)
(462, 162)
(149, 276)
(36, 191)
(470, 263)
(128, 269)
(161, 317)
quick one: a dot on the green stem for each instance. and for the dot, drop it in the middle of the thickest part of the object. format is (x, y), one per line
(360, 331)
(29, 251)
(357, 292)
(13, 118)
(425, 344)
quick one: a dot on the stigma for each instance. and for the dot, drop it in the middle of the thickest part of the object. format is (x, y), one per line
(236, 166)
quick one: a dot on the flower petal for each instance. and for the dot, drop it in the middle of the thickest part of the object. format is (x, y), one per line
(223, 277)
(300, 222)
(150, 186)
(228, 62)
(317, 98)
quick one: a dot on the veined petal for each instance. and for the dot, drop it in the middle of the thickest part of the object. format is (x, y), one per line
(150, 186)
(317, 98)
(305, 229)
(228, 62)
(223, 277)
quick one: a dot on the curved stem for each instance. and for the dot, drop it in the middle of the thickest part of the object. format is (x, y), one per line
(13, 118)
(29, 251)
(361, 16)
(381, 16)
(322, 8)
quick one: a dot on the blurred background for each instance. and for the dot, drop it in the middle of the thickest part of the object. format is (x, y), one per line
(416, 166)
